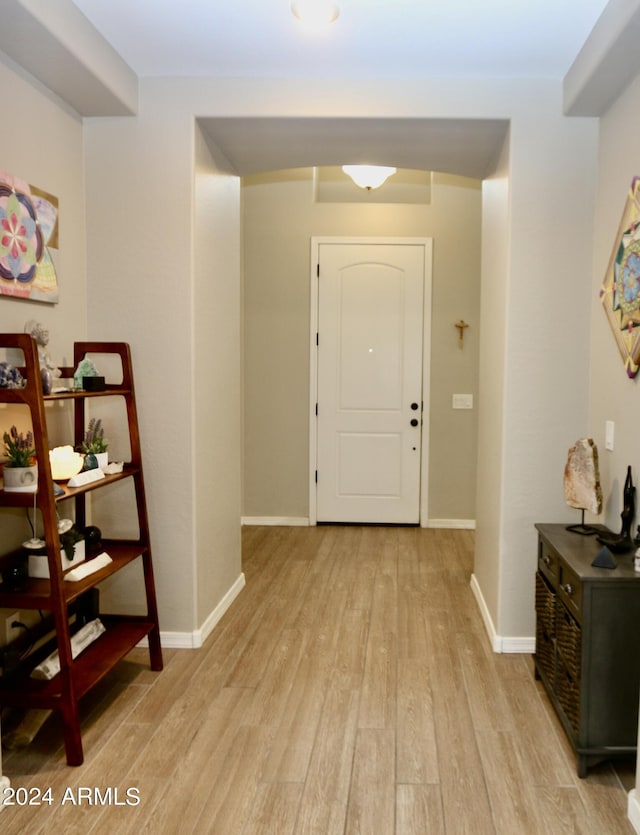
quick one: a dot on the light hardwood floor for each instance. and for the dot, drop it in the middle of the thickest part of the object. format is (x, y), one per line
(351, 689)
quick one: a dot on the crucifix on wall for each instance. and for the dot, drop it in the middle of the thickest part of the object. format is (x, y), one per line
(461, 325)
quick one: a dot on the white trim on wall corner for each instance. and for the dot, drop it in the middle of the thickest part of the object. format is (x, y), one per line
(4, 784)
(454, 524)
(500, 644)
(211, 622)
(175, 640)
(195, 639)
(285, 521)
(633, 809)
(523, 645)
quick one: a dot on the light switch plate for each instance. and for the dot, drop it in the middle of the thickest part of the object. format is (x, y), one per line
(609, 432)
(462, 401)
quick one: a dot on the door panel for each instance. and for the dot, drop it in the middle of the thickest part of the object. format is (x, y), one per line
(368, 464)
(370, 337)
(370, 321)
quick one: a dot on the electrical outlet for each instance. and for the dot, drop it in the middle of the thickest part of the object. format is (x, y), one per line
(11, 632)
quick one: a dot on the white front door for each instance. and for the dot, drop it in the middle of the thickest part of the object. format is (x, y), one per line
(369, 382)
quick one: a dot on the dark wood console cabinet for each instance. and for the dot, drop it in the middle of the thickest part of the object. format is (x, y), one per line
(588, 643)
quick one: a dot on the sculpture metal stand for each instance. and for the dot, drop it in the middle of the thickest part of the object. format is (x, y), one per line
(582, 528)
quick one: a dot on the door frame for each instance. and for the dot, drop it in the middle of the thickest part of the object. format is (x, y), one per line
(314, 284)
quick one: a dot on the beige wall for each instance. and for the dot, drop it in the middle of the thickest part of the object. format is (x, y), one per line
(179, 310)
(551, 198)
(279, 218)
(613, 396)
(141, 291)
(141, 286)
(150, 159)
(46, 150)
(216, 378)
(493, 348)
(164, 255)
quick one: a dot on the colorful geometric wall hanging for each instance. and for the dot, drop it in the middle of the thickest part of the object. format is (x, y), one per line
(28, 232)
(620, 291)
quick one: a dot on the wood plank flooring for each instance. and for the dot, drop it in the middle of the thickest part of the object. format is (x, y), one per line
(350, 689)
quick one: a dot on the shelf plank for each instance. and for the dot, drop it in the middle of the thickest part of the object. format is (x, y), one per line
(37, 594)
(9, 499)
(76, 394)
(121, 636)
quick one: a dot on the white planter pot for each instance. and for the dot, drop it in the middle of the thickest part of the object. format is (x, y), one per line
(20, 479)
(103, 459)
(39, 564)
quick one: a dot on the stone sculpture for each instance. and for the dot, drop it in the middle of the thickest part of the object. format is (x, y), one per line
(582, 488)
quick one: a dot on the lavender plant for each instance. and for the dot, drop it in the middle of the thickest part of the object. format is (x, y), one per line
(94, 441)
(19, 448)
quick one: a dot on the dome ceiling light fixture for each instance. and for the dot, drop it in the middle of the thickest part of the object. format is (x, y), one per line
(315, 12)
(368, 176)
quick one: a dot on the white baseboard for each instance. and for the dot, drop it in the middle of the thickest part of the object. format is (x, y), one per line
(524, 645)
(500, 643)
(201, 635)
(303, 521)
(4, 784)
(285, 521)
(633, 809)
(195, 639)
(454, 524)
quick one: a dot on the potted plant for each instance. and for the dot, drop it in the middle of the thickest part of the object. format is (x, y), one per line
(20, 470)
(95, 444)
(72, 552)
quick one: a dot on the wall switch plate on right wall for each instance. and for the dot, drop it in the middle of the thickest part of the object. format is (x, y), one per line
(462, 401)
(609, 432)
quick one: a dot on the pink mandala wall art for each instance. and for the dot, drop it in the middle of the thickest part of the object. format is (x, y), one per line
(28, 232)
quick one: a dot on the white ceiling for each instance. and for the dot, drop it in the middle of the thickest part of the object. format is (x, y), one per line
(468, 147)
(92, 52)
(370, 39)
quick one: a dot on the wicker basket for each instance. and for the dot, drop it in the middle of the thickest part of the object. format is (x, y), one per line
(545, 653)
(569, 641)
(568, 689)
(545, 605)
(545, 628)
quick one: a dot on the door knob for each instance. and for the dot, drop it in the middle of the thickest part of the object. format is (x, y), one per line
(414, 421)
(414, 406)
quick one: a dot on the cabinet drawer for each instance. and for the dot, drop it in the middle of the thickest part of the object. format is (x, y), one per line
(548, 562)
(570, 591)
